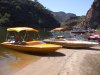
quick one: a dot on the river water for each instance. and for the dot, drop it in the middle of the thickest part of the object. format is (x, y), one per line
(12, 61)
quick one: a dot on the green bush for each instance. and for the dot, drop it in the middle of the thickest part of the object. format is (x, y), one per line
(2, 34)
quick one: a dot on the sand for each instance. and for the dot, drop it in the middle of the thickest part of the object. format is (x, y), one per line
(66, 62)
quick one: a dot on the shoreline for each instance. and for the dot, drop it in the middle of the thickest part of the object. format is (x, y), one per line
(64, 62)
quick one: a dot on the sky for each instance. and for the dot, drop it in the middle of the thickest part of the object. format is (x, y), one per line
(78, 7)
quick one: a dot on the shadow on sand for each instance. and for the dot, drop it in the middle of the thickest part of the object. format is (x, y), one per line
(54, 54)
(91, 48)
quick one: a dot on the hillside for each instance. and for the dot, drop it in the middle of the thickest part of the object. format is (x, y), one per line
(93, 16)
(73, 22)
(91, 20)
(33, 14)
(25, 13)
(62, 16)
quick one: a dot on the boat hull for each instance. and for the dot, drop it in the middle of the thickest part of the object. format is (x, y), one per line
(73, 44)
(39, 48)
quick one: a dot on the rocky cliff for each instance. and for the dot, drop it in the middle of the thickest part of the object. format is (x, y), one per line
(62, 16)
(74, 22)
(26, 13)
(93, 15)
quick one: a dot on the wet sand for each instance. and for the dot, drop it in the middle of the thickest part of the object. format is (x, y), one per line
(66, 62)
(12, 61)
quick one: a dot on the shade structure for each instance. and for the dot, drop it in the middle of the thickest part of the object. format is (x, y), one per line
(61, 29)
(18, 29)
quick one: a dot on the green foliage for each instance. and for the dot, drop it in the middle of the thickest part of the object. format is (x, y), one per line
(44, 33)
(98, 28)
(4, 18)
(26, 13)
(18, 7)
(73, 22)
(2, 36)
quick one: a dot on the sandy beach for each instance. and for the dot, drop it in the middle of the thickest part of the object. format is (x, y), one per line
(66, 62)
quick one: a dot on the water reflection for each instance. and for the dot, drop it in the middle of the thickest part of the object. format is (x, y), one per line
(12, 61)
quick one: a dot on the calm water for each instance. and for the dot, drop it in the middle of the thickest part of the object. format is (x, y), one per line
(12, 61)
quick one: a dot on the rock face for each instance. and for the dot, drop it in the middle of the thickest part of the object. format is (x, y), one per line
(62, 16)
(75, 22)
(93, 15)
(26, 13)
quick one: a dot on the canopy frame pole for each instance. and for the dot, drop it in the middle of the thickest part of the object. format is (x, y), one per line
(7, 36)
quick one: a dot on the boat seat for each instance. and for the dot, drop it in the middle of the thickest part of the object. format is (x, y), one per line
(71, 39)
(34, 42)
(61, 39)
(20, 43)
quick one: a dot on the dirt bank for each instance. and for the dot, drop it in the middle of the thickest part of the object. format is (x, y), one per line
(66, 62)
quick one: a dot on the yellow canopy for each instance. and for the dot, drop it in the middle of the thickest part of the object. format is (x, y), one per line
(18, 29)
(58, 29)
(61, 29)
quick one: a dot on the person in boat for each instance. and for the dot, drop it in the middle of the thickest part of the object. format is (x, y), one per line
(17, 38)
(28, 38)
(11, 39)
